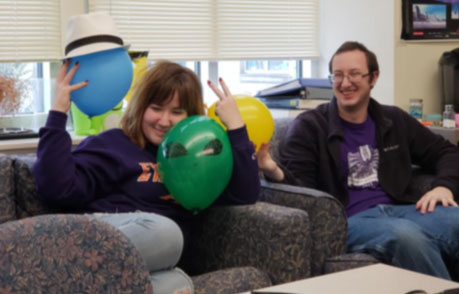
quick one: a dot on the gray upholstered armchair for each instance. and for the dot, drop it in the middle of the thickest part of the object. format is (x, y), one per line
(326, 214)
(327, 218)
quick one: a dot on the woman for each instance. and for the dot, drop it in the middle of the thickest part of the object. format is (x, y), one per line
(115, 172)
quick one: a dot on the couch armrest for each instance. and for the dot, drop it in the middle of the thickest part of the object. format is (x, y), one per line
(69, 254)
(348, 261)
(269, 237)
(7, 201)
(328, 222)
(27, 202)
(421, 182)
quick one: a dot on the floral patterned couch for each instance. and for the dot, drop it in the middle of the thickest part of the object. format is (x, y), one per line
(235, 248)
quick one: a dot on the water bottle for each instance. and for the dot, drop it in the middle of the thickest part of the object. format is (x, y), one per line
(449, 117)
(415, 109)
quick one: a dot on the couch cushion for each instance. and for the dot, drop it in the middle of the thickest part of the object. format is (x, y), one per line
(7, 204)
(281, 125)
(231, 281)
(27, 203)
(348, 261)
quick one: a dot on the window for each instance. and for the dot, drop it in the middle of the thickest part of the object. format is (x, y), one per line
(268, 70)
(252, 44)
(261, 75)
(29, 34)
(36, 84)
(239, 80)
(37, 87)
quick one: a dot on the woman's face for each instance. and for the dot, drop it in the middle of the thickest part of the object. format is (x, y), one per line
(158, 119)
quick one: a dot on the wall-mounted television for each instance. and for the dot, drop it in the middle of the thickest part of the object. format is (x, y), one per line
(430, 19)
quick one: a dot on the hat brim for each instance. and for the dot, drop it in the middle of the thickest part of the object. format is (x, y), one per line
(93, 48)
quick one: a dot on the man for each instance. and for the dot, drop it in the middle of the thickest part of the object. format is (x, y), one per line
(362, 153)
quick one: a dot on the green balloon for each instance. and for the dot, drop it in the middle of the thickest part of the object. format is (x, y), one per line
(195, 162)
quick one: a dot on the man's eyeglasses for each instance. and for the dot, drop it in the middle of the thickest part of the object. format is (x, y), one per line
(353, 77)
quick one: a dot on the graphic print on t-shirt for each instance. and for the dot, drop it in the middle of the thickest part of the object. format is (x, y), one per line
(363, 167)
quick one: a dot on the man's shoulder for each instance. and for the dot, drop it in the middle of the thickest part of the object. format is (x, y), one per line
(320, 112)
(314, 119)
(392, 109)
(392, 112)
(387, 109)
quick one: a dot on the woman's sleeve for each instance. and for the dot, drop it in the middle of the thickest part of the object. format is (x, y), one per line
(64, 178)
(244, 185)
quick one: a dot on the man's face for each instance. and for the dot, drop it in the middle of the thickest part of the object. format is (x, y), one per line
(352, 81)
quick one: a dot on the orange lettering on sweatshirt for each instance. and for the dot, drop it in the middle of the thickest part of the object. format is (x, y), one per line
(149, 169)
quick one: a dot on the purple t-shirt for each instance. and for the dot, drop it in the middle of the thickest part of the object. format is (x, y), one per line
(360, 157)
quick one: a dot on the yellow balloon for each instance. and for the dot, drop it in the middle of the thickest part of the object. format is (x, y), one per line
(139, 60)
(256, 116)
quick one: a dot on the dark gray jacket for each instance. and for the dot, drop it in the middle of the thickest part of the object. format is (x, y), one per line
(310, 152)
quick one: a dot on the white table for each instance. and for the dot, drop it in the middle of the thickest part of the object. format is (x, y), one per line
(373, 279)
(451, 134)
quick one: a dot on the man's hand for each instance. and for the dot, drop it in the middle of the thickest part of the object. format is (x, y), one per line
(438, 194)
(267, 165)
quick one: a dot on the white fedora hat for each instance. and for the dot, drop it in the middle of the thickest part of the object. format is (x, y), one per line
(90, 33)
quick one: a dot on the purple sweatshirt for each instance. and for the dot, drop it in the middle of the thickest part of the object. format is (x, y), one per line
(102, 174)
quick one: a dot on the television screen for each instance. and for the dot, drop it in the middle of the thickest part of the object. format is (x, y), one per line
(429, 16)
(430, 19)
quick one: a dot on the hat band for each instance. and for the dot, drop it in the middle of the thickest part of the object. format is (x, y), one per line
(93, 39)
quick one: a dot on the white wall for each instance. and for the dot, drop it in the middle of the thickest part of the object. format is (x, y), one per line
(370, 22)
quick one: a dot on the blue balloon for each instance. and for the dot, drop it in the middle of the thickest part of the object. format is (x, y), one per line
(109, 74)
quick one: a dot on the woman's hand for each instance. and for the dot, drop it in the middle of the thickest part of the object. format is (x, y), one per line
(226, 108)
(267, 165)
(429, 200)
(63, 87)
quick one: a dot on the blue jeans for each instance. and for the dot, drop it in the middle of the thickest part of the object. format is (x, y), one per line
(159, 241)
(401, 236)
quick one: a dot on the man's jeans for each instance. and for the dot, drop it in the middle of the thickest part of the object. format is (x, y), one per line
(400, 235)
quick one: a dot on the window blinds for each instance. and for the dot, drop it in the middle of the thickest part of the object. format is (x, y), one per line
(216, 29)
(30, 30)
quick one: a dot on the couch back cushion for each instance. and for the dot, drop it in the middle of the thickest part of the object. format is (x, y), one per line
(280, 127)
(27, 203)
(7, 203)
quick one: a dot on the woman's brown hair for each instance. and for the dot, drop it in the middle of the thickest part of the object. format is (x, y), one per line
(158, 86)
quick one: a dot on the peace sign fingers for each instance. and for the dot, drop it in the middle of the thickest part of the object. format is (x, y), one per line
(216, 90)
(225, 88)
(226, 108)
